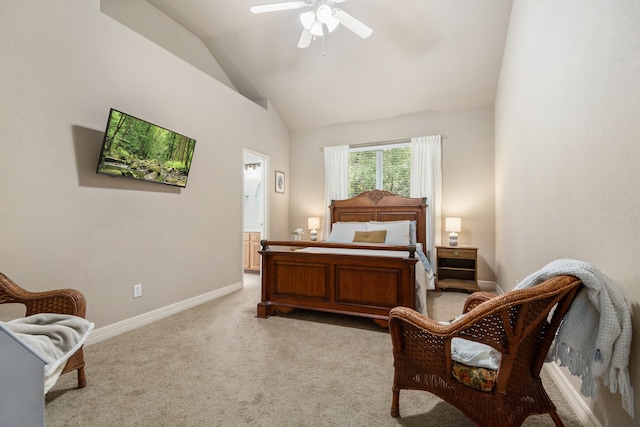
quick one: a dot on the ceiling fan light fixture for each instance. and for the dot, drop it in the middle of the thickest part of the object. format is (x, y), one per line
(307, 19)
(324, 13)
(313, 21)
(316, 28)
(332, 24)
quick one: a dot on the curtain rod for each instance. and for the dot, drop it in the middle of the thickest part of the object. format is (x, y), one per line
(389, 142)
(373, 144)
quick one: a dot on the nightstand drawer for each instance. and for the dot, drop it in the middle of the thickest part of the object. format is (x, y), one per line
(457, 253)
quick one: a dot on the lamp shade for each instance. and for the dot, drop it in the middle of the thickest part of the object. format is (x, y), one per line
(453, 224)
(313, 223)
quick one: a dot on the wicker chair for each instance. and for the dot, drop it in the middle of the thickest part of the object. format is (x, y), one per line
(62, 301)
(518, 324)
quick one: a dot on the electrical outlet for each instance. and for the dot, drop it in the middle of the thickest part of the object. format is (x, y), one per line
(137, 290)
(628, 403)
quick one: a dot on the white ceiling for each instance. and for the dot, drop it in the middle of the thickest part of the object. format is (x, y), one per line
(423, 55)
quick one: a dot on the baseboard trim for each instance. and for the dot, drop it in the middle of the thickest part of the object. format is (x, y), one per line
(132, 323)
(487, 286)
(575, 400)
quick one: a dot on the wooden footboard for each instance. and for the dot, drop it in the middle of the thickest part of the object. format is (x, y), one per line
(366, 286)
(358, 285)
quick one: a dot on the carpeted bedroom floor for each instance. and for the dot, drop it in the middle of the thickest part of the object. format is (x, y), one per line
(219, 365)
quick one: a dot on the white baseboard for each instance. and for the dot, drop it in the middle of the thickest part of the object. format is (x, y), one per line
(132, 323)
(575, 400)
(487, 286)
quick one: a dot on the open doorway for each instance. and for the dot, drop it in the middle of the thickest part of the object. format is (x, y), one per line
(254, 197)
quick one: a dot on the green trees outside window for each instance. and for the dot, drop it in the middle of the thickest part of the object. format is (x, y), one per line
(380, 169)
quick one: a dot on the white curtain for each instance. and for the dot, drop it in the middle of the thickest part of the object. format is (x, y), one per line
(426, 181)
(336, 181)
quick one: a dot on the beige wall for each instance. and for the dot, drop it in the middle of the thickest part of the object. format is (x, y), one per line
(468, 180)
(147, 20)
(64, 64)
(567, 150)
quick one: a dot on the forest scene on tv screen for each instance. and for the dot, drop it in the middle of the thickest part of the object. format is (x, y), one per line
(135, 148)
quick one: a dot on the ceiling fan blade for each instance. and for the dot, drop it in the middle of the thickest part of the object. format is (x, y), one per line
(305, 39)
(275, 7)
(352, 23)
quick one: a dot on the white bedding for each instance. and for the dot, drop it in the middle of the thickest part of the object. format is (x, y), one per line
(424, 278)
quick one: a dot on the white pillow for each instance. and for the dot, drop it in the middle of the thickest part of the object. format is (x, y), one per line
(397, 231)
(343, 232)
(412, 228)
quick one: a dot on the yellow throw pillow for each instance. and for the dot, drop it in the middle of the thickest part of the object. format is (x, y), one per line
(377, 236)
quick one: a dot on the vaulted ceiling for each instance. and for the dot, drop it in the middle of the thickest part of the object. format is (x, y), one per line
(423, 55)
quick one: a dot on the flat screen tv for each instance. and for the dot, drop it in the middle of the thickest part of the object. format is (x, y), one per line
(134, 148)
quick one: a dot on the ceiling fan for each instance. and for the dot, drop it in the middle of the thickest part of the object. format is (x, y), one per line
(314, 21)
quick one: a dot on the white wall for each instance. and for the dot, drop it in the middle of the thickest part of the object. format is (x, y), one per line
(567, 150)
(64, 64)
(468, 180)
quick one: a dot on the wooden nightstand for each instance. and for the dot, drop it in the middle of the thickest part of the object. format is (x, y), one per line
(457, 268)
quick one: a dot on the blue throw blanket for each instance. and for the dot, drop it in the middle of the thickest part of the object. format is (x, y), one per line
(594, 339)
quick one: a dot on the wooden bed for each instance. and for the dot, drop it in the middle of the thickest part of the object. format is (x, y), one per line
(358, 285)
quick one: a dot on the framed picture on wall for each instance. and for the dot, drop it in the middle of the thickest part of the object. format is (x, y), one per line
(279, 182)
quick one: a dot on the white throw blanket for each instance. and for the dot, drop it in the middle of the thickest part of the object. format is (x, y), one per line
(55, 337)
(594, 339)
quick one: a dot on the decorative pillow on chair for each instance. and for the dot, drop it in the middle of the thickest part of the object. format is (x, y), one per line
(482, 379)
(377, 236)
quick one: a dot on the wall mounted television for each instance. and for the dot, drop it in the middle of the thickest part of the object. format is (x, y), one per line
(134, 148)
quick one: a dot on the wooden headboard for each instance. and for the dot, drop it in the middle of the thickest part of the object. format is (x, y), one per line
(378, 205)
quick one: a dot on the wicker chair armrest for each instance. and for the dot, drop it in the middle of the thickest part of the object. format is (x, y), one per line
(475, 299)
(419, 320)
(412, 331)
(471, 326)
(432, 327)
(61, 301)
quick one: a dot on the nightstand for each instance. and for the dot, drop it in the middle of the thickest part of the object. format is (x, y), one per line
(457, 268)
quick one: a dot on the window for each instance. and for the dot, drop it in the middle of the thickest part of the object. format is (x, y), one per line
(380, 168)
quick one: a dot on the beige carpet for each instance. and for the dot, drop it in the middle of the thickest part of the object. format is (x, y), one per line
(219, 365)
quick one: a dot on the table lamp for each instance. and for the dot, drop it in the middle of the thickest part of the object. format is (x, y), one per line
(313, 224)
(453, 226)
